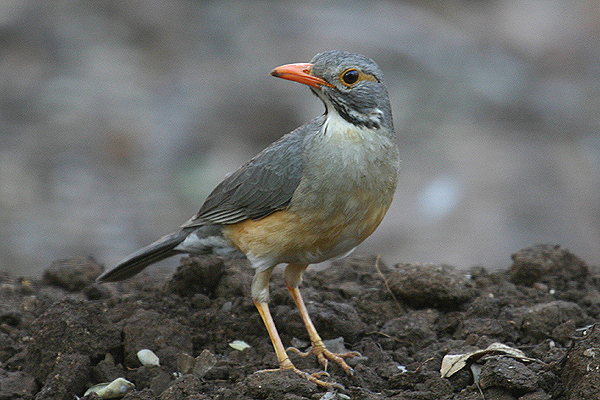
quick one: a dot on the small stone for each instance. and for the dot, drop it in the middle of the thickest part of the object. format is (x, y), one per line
(239, 345)
(147, 357)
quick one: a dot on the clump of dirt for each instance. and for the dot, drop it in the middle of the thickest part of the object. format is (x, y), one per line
(62, 334)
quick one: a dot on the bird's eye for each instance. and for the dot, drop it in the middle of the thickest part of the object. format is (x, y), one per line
(350, 77)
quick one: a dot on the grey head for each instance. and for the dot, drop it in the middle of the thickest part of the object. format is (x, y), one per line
(355, 89)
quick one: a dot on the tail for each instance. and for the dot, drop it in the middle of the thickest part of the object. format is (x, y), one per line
(134, 263)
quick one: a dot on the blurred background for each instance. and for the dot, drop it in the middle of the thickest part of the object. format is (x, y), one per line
(118, 117)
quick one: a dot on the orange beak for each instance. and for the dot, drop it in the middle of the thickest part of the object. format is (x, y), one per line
(299, 73)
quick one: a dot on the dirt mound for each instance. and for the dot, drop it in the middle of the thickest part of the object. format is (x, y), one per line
(63, 334)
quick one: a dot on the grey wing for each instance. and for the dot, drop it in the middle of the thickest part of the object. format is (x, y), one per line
(260, 187)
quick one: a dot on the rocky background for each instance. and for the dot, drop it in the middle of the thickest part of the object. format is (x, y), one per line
(117, 117)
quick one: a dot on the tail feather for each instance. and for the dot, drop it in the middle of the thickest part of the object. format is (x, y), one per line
(134, 263)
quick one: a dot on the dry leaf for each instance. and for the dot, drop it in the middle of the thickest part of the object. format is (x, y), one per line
(451, 363)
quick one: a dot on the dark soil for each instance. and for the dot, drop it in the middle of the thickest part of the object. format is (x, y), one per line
(63, 334)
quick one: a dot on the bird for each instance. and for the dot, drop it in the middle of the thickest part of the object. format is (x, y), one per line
(312, 195)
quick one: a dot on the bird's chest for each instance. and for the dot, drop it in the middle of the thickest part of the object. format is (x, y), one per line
(346, 169)
(347, 186)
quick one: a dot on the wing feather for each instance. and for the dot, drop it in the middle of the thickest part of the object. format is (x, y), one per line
(263, 185)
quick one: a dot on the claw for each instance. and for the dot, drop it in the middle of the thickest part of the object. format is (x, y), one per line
(297, 351)
(324, 362)
(315, 377)
(324, 356)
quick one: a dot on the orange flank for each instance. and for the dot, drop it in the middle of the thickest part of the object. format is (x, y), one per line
(284, 233)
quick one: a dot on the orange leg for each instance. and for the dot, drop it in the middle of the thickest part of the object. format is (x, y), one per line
(282, 357)
(260, 294)
(293, 277)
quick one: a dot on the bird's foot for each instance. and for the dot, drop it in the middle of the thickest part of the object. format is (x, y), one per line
(324, 356)
(315, 377)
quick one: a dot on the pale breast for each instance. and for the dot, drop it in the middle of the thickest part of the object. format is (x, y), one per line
(348, 182)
